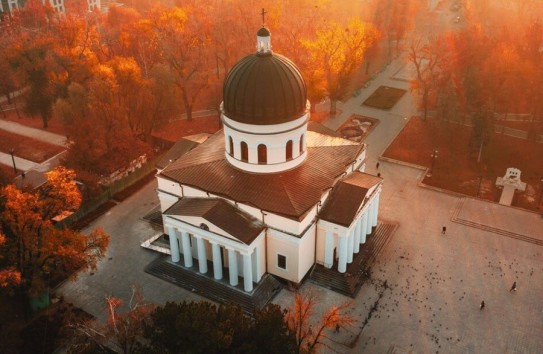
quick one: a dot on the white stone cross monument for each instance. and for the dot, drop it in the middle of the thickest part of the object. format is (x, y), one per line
(510, 182)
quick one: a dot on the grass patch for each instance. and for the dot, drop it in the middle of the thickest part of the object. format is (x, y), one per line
(27, 148)
(456, 166)
(385, 97)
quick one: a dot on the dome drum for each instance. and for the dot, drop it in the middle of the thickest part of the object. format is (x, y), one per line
(282, 149)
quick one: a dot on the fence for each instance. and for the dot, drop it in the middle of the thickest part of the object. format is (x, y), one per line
(107, 195)
(516, 133)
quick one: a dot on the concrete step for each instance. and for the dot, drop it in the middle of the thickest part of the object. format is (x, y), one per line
(349, 283)
(500, 232)
(216, 290)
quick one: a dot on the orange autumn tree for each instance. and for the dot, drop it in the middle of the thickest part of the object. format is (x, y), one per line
(340, 51)
(311, 334)
(183, 43)
(35, 252)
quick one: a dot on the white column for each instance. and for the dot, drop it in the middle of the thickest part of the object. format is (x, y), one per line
(350, 245)
(202, 257)
(187, 251)
(174, 245)
(376, 209)
(233, 267)
(357, 236)
(217, 261)
(342, 262)
(258, 257)
(364, 227)
(247, 273)
(329, 249)
(371, 210)
(368, 223)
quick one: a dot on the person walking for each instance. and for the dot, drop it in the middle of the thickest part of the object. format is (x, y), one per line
(513, 287)
(482, 306)
(377, 165)
(444, 230)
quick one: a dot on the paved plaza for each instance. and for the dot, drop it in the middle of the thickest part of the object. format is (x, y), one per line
(425, 288)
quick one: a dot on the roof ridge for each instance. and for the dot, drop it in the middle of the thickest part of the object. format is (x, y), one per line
(288, 195)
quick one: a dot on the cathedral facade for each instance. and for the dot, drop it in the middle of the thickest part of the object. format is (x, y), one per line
(271, 192)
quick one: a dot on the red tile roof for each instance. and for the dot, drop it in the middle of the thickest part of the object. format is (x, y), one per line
(220, 213)
(290, 193)
(346, 197)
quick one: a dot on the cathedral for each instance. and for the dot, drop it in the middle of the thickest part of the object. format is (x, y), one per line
(272, 192)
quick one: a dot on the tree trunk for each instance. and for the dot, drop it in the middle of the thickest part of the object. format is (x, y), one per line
(425, 105)
(480, 150)
(188, 106)
(45, 120)
(333, 107)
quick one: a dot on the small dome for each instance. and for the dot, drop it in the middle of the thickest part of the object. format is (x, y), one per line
(264, 88)
(263, 32)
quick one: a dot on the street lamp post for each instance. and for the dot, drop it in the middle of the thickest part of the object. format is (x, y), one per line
(11, 152)
(433, 155)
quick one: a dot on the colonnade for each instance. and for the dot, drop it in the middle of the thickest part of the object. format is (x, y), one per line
(201, 253)
(349, 243)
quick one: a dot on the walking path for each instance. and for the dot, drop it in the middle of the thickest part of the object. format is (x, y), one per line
(38, 134)
(27, 165)
(20, 163)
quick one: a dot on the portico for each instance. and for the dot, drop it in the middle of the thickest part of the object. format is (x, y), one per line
(208, 242)
(343, 233)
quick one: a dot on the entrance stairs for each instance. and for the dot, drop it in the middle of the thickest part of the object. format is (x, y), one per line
(350, 282)
(216, 290)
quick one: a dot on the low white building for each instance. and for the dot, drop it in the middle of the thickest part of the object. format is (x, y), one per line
(57, 5)
(271, 192)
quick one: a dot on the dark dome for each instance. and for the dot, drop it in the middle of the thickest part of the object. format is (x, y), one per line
(263, 32)
(264, 89)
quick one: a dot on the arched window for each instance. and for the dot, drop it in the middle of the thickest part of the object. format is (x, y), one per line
(262, 154)
(244, 151)
(289, 150)
(231, 147)
(302, 144)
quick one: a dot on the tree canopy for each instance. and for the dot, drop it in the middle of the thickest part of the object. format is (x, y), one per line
(35, 252)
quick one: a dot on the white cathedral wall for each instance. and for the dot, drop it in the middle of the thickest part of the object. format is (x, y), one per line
(279, 243)
(360, 162)
(260, 247)
(320, 244)
(193, 192)
(169, 186)
(306, 252)
(299, 253)
(166, 200)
